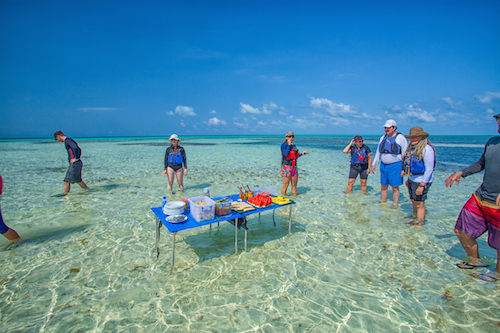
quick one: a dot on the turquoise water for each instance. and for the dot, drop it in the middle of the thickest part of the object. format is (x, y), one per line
(87, 261)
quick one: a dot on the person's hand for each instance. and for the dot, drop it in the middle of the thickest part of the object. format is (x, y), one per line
(164, 172)
(402, 173)
(373, 169)
(185, 172)
(73, 160)
(453, 178)
(420, 190)
(289, 141)
(368, 171)
(498, 199)
(406, 183)
(352, 142)
(305, 152)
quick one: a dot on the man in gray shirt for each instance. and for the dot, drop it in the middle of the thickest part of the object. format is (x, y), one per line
(482, 211)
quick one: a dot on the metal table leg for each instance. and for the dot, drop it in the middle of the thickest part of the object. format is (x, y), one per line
(290, 220)
(245, 239)
(157, 229)
(274, 221)
(173, 248)
(236, 236)
(259, 217)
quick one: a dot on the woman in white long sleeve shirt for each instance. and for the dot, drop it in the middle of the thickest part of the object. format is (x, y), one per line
(418, 163)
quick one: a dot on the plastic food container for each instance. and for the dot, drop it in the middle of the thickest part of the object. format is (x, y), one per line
(202, 208)
(174, 208)
(223, 207)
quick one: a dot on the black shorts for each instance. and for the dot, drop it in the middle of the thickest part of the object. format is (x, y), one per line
(412, 188)
(74, 173)
(358, 169)
(175, 167)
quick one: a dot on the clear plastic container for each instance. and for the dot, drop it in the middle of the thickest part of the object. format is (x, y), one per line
(202, 208)
(266, 188)
(223, 207)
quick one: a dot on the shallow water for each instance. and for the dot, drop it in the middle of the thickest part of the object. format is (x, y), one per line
(87, 261)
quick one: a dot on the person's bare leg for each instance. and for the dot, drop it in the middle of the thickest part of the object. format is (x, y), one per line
(350, 183)
(363, 185)
(420, 205)
(83, 185)
(171, 176)
(286, 181)
(12, 235)
(498, 262)
(395, 196)
(414, 208)
(470, 246)
(295, 180)
(180, 178)
(66, 188)
(384, 192)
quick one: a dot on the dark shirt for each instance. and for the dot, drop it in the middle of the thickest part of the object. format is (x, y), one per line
(490, 163)
(73, 150)
(171, 150)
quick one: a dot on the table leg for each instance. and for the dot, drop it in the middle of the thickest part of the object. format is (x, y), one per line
(274, 221)
(173, 248)
(259, 217)
(290, 220)
(245, 239)
(236, 236)
(157, 230)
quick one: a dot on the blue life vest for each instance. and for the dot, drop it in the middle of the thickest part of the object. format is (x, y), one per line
(175, 158)
(416, 165)
(389, 145)
(359, 156)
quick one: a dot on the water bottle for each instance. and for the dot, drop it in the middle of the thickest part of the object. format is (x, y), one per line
(163, 202)
(206, 192)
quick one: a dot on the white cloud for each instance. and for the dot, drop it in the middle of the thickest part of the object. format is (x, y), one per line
(216, 122)
(213, 112)
(490, 111)
(334, 109)
(185, 110)
(488, 96)
(451, 103)
(247, 108)
(265, 109)
(97, 109)
(412, 111)
(170, 113)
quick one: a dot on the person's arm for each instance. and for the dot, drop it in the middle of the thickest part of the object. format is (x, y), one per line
(498, 199)
(471, 169)
(347, 148)
(401, 141)
(429, 164)
(184, 160)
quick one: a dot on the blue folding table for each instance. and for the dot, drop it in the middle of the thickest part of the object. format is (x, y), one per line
(190, 223)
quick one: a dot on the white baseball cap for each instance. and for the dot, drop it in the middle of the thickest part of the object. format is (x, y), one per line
(390, 123)
(174, 137)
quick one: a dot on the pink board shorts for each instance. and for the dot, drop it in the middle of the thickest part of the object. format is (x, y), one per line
(288, 171)
(477, 216)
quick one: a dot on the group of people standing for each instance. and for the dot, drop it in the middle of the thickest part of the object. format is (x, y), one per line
(397, 158)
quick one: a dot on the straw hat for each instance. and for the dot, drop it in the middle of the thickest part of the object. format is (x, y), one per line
(289, 133)
(174, 137)
(417, 131)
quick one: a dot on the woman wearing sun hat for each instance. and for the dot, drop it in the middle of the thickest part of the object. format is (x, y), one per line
(418, 164)
(175, 158)
(361, 159)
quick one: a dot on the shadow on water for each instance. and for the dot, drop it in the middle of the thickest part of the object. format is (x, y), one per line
(486, 252)
(43, 235)
(219, 241)
(197, 186)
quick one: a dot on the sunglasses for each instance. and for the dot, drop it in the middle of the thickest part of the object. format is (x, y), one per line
(290, 136)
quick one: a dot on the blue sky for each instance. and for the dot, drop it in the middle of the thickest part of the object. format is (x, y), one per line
(97, 68)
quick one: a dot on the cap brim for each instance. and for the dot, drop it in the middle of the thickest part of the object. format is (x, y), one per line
(423, 135)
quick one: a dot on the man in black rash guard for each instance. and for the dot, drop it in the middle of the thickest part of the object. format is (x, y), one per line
(175, 158)
(74, 173)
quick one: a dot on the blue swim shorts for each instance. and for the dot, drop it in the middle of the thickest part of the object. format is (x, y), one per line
(390, 174)
(3, 227)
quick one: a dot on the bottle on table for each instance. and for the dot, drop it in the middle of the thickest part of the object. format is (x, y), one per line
(206, 192)
(163, 202)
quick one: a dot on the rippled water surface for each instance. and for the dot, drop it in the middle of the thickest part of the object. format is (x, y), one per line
(87, 261)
